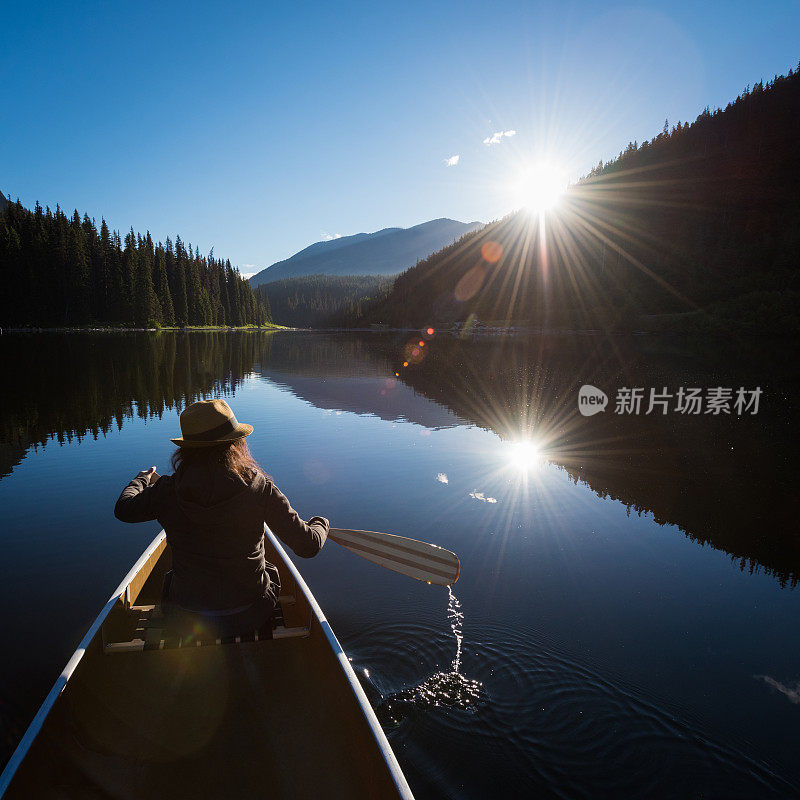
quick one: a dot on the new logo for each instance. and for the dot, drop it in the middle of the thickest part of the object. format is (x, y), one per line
(591, 400)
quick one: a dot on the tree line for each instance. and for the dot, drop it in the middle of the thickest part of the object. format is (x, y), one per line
(61, 271)
(314, 301)
(697, 229)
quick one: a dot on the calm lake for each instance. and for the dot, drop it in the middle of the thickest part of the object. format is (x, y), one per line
(626, 620)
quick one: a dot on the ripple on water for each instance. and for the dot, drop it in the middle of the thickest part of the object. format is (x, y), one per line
(512, 713)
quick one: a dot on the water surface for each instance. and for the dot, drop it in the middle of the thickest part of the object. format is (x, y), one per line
(625, 623)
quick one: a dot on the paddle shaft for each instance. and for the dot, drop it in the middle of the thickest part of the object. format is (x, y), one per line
(411, 557)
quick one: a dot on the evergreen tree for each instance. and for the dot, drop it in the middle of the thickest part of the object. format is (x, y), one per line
(162, 287)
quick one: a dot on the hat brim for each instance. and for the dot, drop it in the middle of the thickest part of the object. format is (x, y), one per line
(241, 431)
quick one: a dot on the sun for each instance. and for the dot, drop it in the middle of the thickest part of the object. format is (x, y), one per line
(538, 187)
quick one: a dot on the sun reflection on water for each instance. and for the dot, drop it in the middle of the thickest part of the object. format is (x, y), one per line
(525, 455)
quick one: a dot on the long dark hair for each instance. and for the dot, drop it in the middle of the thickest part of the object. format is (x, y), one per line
(234, 457)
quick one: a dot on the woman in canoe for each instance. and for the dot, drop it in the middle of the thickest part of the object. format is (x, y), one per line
(213, 509)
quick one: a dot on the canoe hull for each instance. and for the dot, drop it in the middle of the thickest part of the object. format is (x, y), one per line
(279, 718)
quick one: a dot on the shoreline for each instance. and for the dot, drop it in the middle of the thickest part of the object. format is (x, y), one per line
(166, 328)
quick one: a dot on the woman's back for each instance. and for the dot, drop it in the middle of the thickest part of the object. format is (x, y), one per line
(214, 522)
(213, 509)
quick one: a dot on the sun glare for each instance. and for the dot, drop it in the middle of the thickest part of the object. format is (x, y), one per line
(525, 455)
(538, 187)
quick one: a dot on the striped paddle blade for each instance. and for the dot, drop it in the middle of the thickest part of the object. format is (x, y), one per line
(420, 560)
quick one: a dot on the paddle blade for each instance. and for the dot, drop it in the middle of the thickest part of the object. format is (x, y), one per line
(420, 560)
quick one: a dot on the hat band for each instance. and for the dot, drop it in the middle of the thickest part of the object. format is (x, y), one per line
(229, 426)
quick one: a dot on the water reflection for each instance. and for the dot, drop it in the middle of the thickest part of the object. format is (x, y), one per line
(525, 455)
(597, 650)
(731, 482)
(728, 481)
(346, 373)
(67, 387)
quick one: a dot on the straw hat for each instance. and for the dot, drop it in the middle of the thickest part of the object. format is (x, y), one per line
(210, 422)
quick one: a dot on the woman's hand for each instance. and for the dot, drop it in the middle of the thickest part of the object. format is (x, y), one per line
(150, 475)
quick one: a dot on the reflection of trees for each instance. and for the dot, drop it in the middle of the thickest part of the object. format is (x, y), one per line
(327, 356)
(70, 386)
(728, 482)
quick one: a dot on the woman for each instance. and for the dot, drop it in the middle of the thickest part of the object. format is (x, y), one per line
(213, 509)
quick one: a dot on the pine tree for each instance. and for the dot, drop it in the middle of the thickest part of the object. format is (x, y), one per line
(162, 286)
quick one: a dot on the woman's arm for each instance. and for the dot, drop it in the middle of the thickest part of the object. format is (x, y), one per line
(304, 538)
(136, 503)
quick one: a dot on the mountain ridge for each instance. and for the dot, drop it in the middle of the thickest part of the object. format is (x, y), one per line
(696, 230)
(383, 252)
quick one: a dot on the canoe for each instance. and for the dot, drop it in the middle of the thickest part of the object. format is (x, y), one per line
(137, 713)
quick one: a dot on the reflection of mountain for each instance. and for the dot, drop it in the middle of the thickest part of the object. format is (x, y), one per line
(90, 383)
(731, 482)
(76, 385)
(383, 397)
(348, 373)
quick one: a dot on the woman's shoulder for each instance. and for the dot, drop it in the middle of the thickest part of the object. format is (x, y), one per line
(261, 483)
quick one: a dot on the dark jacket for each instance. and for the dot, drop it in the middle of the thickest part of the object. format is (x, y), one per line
(214, 522)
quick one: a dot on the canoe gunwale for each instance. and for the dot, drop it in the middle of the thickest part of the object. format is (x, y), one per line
(403, 789)
(31, 733)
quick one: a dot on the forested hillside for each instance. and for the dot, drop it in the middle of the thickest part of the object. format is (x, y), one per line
(697, 229)
(61, 271)
(314, 301)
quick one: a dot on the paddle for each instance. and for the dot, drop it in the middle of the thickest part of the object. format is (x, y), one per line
(420, 560)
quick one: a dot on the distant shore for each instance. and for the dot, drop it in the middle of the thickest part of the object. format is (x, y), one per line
(126, 329)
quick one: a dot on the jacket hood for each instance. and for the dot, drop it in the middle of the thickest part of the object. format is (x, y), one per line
(208, 494)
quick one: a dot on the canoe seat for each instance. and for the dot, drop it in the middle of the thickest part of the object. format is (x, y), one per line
(153, 633)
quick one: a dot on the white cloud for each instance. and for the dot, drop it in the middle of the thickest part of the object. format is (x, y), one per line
(482, 497)
(496, 137)
(327, 237)
(452, 161)
(442, 478)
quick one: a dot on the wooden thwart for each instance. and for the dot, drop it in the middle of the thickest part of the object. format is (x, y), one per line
(150, 636)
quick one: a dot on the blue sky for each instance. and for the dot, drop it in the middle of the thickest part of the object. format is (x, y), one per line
(260, 128)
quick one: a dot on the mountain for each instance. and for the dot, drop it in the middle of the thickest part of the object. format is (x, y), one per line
(385, 252)
(696, 230)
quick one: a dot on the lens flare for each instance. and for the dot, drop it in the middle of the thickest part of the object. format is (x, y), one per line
(491, 252)
(413, 353)
(470, 283)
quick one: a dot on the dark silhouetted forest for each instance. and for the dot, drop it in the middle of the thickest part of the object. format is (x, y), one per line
(315, 301)
(61, 271)
(697, 229)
